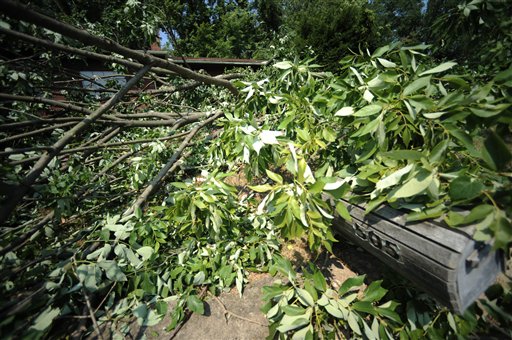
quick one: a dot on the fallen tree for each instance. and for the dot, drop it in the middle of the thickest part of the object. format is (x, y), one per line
(36, 116)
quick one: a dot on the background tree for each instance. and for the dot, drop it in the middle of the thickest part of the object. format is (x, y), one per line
(476, 32)
(398, 19)
(330, 28)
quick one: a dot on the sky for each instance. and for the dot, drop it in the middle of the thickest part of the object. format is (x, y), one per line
(164, 39)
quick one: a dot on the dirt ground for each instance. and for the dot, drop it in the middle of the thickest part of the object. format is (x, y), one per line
(229, 317)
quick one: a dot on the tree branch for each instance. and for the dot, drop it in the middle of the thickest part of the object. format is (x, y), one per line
(46, 158)
(80, 52)
(191, 85)
(34, 132)
(169, 167)
(45, 101)
(23, 12)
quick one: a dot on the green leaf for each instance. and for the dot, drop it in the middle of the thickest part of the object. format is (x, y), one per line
(354, 325)
(380, 51)
(368, 110)
(334, 311)
(441, 68)
(293, 310)
(451, 321)
(364, 306)
(323, 301)
(374, 203)
(145, 252)
(261, 188)
(319, 281)
(351, 283)
(304, 297)
(433, 115)
(502, 231)
(394, 178)
(428, 213)
(273, 176)
(412, 155)
(329, 135)
(345, 111)
(414, 186)
(358, 76)
(465, 188)
(199, 278)
(367, 128)
(343, 211)
(368, 96)
(503, 76)
(454, 219)
(89, 275)
(437, 153)
(478, 213)
(195, 304)
(374, 292)
(283, 65)
(386, 63)
(289, 323)
(45, 319)
(390, 314)
(495, 152)
(112, 270)
(465, 139)
(138, 212)
(305, 333)
(484, 113)
(456, 80)
(416, 85)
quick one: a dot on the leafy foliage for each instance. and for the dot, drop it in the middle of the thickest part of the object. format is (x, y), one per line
(307, 308)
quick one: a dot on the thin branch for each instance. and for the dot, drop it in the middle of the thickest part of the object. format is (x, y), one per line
(117, 119)
(20, 241)
(35, 132)
(91, 314)
(191, 85)
(100, 136)
(107, 135)
(91, 147)
(46, 101)
(230, 313)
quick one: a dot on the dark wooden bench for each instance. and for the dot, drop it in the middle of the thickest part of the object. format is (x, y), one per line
(445, 262)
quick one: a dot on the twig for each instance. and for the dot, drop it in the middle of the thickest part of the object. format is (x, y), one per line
(20, 241)
(91, 314)
(57, 103)
(230, 313)
(35, 132)
(187, 315)
(91, 147)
